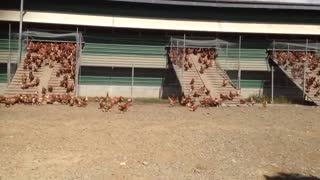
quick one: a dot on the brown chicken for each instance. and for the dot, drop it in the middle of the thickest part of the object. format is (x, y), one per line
(107, 107)
(44, 90)
(194, 107)
(243, 101)
(264, 103)
(123, 107)
(192, 81)
(172, 100)
(31, 76)
(201, 70)
(50, 88)
(207, 91)
(225, 82)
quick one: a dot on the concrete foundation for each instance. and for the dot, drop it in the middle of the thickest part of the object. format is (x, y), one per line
(126, 91)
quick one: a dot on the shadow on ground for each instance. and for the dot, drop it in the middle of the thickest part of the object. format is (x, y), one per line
(290, 176)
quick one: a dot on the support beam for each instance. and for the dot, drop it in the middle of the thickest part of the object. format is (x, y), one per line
(272, 84)
(9, 58)
(20, 31)
(132, 80)
(182, 69)
(239, 68)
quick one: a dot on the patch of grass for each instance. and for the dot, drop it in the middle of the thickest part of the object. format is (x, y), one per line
(151, 100)
(276, 100)
(282, 100)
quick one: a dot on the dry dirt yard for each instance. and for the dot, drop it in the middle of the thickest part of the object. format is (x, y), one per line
(154, 141)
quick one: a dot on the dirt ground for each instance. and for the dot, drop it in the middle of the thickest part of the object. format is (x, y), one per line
(154, 141)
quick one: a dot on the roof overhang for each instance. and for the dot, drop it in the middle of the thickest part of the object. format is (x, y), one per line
(160, 24)
(267, 4)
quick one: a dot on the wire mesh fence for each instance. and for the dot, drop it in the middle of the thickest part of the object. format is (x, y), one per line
(298, 60)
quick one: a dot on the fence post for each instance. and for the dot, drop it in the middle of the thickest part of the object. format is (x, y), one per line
(20, 31)
(227, 55)
(132, 80)
(272, 83)
(239, 68)
(304, 71)
(76, 84)
(184, 53)
(9, 58)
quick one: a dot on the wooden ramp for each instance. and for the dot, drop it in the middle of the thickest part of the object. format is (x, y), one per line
(213, 78)
(14, 87)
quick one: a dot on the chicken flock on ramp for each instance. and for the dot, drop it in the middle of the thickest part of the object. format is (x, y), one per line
(300, 66)
(208, 92)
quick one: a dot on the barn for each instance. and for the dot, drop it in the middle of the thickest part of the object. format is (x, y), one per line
(138, 48)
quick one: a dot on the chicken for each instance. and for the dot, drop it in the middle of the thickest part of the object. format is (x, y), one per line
(2, 99)
(252, 101)
(189, 64)
(186, 67)
(192, 87)
(264, 103)
(233, 94)
(37, 81)
(192, 81)
(172, 100)
(24, 78)
(225, 82)
(225, 97)
(201, 70)
(243, 101)
(11, 101)
(207, 91)
(50, 88)
(102, 103)
(44, 90)
(194, 107)
(70, 88)
(31, 76)
(196, 94)
(107, 107)
(123, 107)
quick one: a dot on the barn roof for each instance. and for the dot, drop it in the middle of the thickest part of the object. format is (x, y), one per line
(269, 4)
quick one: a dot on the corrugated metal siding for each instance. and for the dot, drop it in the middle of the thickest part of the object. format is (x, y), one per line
(123, 55)
(250, 59)
(4, 50)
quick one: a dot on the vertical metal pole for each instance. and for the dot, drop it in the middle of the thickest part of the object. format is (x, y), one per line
(179, 66)
(178, 60)
(9, 58)
(273, 48)
(304, 70)
(20, 30)
(272, 83)
(288, 49)
(77, 63)
(184, 53)
(304, 81)
(239, 68)
(132, 80)
(227, 54)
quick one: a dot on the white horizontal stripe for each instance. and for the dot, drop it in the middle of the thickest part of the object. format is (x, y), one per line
(162, 24)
